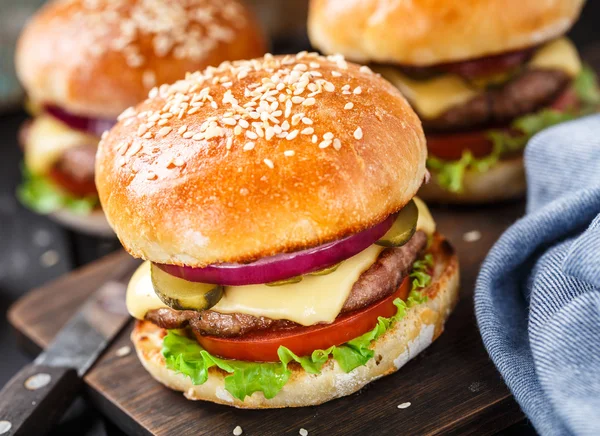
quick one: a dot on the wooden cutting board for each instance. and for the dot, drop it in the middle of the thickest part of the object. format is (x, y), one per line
(452, 386)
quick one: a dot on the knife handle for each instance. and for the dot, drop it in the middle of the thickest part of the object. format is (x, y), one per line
(35, 399)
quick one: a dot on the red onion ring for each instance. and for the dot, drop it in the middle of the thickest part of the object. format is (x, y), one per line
(93, 126)
(283, 266)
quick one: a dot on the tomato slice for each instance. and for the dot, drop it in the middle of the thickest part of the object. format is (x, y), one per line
(71, 185)
(487, 66)
(262, 346)
(566, 101)
(450, 146)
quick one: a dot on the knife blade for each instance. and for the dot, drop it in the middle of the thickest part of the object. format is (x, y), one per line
(39, 394)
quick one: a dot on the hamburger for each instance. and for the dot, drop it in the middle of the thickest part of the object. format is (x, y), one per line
(288, 261)
(483, 76)
(82, 63)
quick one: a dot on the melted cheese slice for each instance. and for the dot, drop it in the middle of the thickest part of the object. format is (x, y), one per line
(560, 54)
(47, 140)
(433, 97)
(315, 299)
(141, 298)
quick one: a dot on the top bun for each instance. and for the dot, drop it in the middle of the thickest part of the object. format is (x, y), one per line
(259, 157)
(98, 57)
(429, 32)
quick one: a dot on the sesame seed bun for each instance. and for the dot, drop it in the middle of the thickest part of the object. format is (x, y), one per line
(428, 32)
(336, 150)
(96, 58)
(407, 338)
(503, 181)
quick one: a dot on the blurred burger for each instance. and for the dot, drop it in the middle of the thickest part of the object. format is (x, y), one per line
(84, 62)
(288, 259)
(484, 76)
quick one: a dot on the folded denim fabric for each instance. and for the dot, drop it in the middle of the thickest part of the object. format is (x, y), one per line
(537, 297)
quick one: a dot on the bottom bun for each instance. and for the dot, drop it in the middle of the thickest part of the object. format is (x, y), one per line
(407, 338)
(503, 181)
(94, 223)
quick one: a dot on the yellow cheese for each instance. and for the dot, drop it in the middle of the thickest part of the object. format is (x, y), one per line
(141, 297)
(425, 221)
(431, 97)
(47, 140)
(315, 299)
(560, 54)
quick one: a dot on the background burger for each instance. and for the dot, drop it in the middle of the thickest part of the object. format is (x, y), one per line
(484, 76)
(288, 259)
(82, 63)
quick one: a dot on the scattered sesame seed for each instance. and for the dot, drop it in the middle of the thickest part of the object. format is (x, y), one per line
(188, 135)
(329, 87)
(328, 136)
(349, 106)
(248, 146)
(237, 431)
(358, 133)
(336, 74)
(357, 90)
(123, 351)
(472, 236)
(325, 144)
(303, 432)
(307, 121)
(292, 135)
(337, 144)
(269, 163)
(404, 405)
(308, 131)
(309, 102)
(289, 152)
(365, 69)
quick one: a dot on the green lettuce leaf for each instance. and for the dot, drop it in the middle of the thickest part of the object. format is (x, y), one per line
(42, 196)
(450, 174)
(186, 356)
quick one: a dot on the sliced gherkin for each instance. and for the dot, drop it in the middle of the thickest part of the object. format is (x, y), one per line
(289, 281)
(325, 271)
(181, 294)
(403, 228)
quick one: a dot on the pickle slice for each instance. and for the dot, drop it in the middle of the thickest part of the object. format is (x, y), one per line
(180, 294)
(403, 228)
(325, 271)
(289, 281)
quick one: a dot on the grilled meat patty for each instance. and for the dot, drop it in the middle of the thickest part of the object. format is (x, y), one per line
(525, 93)
(376, 283)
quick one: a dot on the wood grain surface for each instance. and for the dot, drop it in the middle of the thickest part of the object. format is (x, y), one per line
(452, 386)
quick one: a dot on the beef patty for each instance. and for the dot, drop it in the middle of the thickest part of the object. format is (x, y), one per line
(376, 283)
(525, 93)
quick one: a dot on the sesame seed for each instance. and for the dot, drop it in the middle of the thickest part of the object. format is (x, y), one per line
(307, 121)
(357, 90)
(336, 74)
(178, 162)
(303, 432)
(329, 87)
(309, 102)
(248, 146)
(308, 131)
(349, 106)
(269, 163)
(337, 144)
(229, 121)
(404, 405)
(327, 136)
(188, 135)
(164, 131)
(292, 135)
(251, 135)
(358, 133)
(237, 431)
(365, 69)
(151, 176)
(472, 236)
(325, 144)
(182, 129)
(314, 139)
(289, 152)
(297, 99)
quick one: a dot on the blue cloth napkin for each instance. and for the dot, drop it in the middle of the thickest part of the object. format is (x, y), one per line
(537, 297)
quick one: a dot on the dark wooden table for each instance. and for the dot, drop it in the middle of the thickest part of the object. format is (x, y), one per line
(35, 250)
